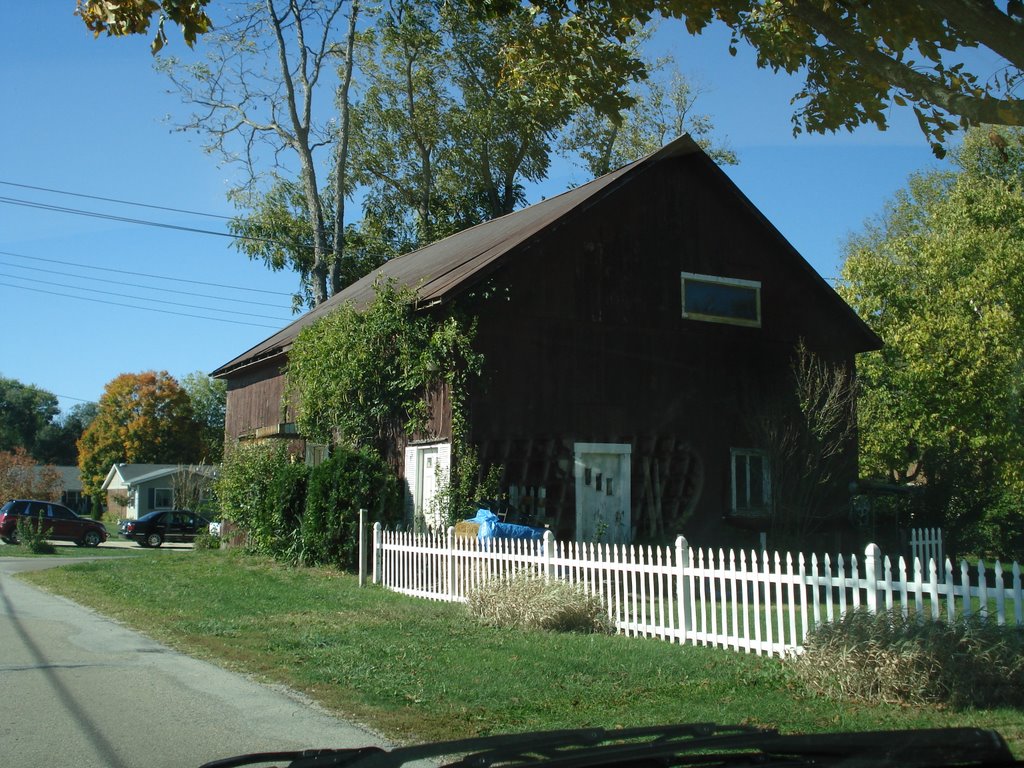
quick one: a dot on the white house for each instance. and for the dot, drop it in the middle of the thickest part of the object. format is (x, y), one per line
(132, 490)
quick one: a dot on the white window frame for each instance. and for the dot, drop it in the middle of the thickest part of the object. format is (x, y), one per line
(766, 501)
(156, 498)
(733, 282)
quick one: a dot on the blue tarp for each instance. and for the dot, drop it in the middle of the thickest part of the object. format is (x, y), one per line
(492, 528)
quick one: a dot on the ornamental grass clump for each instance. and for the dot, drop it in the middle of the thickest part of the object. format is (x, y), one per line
(528, 601)
(913, 659)
(33, 537)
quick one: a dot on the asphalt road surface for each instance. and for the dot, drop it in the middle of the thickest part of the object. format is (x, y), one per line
(78, 689)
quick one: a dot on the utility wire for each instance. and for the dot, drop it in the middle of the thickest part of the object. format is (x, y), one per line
(147, 309)
(158, 301)
(143, 274)
(114, 200)
(129, 220)
(109, 281)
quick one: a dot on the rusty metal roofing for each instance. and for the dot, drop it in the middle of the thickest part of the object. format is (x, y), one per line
(442, 270)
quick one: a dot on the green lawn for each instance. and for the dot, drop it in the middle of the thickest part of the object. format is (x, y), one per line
(68, 549)
(418, 670)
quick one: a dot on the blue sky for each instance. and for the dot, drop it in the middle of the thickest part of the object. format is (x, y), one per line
(91, 116)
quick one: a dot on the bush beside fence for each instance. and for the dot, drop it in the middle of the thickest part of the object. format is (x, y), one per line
(757, 603)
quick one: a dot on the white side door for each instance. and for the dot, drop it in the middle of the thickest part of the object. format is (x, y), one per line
(426, 467)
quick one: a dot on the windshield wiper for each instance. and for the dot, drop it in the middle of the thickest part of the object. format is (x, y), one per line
(674, 745)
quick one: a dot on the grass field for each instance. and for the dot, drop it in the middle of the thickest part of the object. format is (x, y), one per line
(68, 549)
(416, 670)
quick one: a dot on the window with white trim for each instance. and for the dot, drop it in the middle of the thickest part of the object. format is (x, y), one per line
(721, 299)
(751, 484)
(163, 498)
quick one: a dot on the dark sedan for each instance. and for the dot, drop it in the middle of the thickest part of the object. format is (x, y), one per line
(155, 528)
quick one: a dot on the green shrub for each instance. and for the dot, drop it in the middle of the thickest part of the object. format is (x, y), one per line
(348, 481)
(261, 488)
(527, 601)
(33, 537)
(205, 540)
(915, 660)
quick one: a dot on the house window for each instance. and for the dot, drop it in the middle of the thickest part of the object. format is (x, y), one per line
(163, 498)
(751, 487)
(721, 299)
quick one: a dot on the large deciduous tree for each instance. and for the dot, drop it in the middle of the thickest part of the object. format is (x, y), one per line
(857, 58)
(260, 98)
(940, 277)
(25, 411)
(142, 418)
(663, 109)
(209, 405)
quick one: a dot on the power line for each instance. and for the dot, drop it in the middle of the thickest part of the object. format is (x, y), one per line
(112, 217)
(142, 274)
(115, 200)
(147, 309)
(158, 301)
(69, 397)
(129, 220)
(109, 281)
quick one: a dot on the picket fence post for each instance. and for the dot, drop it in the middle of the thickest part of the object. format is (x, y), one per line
(683, 588)
(872, 574)
(378, 550)
(451, 563)
(549, 555)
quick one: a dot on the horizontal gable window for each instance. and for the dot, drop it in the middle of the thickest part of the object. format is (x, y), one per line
(721, 299)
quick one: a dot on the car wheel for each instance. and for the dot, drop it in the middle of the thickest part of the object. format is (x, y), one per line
(154, 540)
(91, 539)
(7, 539)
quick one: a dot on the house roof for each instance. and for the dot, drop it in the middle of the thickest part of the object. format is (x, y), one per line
(133, 474)
(440, 271)
(71, 478)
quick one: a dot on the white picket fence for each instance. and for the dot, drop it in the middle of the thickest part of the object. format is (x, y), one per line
(764, 604)
(926, 544)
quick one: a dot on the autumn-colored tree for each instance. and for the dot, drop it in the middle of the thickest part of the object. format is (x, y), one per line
(118, 18)
(22, 478)
(143, 418)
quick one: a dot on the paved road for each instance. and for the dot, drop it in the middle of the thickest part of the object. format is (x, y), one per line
(77, 689)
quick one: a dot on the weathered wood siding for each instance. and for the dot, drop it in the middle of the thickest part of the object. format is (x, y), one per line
(255, 397)
(585, 341)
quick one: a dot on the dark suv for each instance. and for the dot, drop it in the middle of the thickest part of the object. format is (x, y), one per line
(55, 520)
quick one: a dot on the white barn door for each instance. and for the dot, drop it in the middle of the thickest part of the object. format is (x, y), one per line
(602, 475)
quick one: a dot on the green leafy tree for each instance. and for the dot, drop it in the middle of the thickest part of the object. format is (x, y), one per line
(209, 404)
(142, 418)
(25, 412)
(940, 277)
(57, 441)
(858, 58)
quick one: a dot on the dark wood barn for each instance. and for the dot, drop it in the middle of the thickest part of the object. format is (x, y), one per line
(635, 329)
